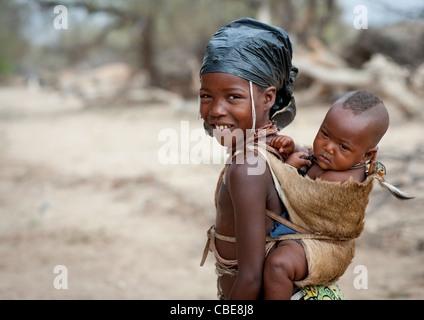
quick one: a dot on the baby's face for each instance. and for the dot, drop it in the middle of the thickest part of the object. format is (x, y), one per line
(342, 140)
(226, 108)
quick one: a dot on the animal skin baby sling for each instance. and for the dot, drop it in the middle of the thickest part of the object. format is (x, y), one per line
(332, 212)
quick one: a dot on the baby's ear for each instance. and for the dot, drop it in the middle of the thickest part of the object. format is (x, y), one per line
(370, 154)
(269, 97)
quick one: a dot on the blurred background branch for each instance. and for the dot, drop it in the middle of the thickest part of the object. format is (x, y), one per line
(161, 43)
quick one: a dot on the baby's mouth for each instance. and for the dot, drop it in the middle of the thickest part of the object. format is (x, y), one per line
(324, 159)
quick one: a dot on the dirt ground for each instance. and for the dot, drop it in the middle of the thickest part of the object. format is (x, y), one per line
(86, 189)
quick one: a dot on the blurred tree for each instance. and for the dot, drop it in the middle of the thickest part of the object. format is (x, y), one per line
(12, 43)
(311, 18)
(160, 34)
(138, 15)
(167, 38)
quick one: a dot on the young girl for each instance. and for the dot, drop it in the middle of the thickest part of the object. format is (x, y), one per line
(246, 81)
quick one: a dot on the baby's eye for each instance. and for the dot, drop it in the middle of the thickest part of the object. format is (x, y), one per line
(324, 133)
(343, 147)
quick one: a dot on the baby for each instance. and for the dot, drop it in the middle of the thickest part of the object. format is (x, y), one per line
(346, 141)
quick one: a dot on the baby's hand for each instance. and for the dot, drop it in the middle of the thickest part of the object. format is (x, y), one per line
(284, 144)
(297, 160)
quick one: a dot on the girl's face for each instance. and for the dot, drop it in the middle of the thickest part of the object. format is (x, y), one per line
(226, 107)
(343, 140)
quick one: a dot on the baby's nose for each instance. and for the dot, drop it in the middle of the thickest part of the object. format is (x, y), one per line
(329, 148)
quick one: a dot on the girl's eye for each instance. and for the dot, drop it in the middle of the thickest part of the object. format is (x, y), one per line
(204, 96)
(234, 96)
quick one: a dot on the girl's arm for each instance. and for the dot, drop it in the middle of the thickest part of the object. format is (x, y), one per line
(248, 193)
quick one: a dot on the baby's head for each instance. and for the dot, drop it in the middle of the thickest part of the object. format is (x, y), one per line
(351, 130)
(247, 77)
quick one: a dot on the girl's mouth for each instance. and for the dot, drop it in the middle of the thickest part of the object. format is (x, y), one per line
(222, 128)
(225, 135)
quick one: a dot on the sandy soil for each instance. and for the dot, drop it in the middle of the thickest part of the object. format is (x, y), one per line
(85, 189)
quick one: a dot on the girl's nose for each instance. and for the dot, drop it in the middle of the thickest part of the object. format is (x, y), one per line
(218, 109)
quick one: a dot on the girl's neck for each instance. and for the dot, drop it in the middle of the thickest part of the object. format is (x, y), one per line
(262, 135)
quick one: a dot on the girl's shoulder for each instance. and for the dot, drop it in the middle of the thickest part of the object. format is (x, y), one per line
(247, 168)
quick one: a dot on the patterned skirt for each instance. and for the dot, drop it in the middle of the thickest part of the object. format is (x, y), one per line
(330, 292)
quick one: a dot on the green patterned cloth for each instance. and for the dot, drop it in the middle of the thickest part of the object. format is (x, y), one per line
(330, 292)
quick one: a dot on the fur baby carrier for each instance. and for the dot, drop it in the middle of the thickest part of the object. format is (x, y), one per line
(331, 212)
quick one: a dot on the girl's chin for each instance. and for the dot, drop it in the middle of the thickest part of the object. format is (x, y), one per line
(228, 137)
(225, 141)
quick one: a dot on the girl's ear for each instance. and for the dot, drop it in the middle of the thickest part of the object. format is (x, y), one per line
(370, 154)
(269, 97)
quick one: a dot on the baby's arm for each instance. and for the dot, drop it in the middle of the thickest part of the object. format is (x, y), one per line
(357, 174)
(291, 152)
(284, 144)
(342, 176)
(298, 160)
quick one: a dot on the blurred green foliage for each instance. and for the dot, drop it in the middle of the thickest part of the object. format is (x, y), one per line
(12, 43)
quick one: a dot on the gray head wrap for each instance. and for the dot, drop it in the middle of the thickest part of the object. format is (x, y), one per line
(260, 53)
